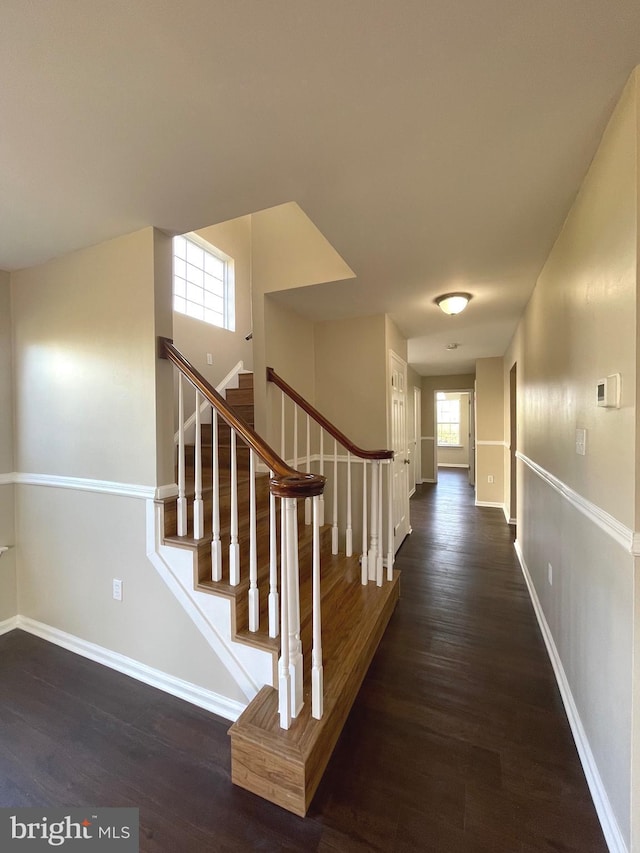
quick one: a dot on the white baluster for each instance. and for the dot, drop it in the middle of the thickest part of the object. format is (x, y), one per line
(234, 547)
(334, 528)
(198, 503)
(373, 546)
(364, 559)
(317, 679)
(274, 628)
(282, 427)
(295, 436)
(293, 596)
(182, 499)
(284, 680)
(390, 543)
(321, 507)
(254, 597)
(349, 532)
(307, 501)
(216, 544)
(380, 546)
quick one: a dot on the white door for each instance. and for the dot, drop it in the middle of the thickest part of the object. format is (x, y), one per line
(399, 445)
(472, 438)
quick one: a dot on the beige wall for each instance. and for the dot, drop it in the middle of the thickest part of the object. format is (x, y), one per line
(431, 384)
(489, 431)
(84, 342)
(351, 377)
(196, 338)
(457, 456)
(290, 351)
(580, 325)
(88, 384)
(7, 524)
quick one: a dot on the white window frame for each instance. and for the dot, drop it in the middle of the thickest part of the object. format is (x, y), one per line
(196, 296)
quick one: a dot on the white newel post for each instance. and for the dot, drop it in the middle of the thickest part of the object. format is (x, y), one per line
(234, 546)
(254, 598)
(364, 561)
(373, 546)
(380, 545)
(334, 528)
(293, 596)
(182, 499)
(284, 678)
(390, 543)
(349, 532)
(321, 506)
(216, 545)
(274, 628)
(317, 687)
(198, 503)
(307, 501)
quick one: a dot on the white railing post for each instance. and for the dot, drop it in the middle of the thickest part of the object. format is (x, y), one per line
(380, 546)
(198, 503)
(234, 546)
(284, 679)
(293, 596)
(254, 598)
(334, 528)
(321, 506)
(373, 545)
(307, 501)
(390, 532)
(317, 687)
(182, 499)
(349, 531)
(216, 545)
(364, 559)
(274, 628)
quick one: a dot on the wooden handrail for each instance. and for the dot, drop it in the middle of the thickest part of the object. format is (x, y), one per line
(340, 437)
(286, 481)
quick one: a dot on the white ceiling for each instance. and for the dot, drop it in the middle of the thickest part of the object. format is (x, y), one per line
(437, 144)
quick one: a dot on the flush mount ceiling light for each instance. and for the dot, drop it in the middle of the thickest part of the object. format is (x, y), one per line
(453, 303)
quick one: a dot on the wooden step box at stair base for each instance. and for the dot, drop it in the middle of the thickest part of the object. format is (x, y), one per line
(285, 767)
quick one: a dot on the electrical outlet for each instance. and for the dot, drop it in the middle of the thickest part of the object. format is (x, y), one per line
(550, 573)
(490, 478)
(209, 358)
(117, 589)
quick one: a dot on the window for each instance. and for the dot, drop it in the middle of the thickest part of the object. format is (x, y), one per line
(448, 420)
(203, 282)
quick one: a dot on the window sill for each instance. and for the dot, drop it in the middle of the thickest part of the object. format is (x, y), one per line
(452, 446)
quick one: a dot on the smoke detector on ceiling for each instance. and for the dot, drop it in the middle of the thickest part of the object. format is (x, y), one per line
(452, 346)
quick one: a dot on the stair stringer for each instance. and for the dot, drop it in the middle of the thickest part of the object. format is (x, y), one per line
(250, 667)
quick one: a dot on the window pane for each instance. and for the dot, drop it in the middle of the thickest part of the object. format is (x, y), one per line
(214, 302)
(179, 247)
(213, 285)
(214, 266)
(194, 275)
(180, 305)
(179, 287)
(195, 255)
(213, 317)
(179, 268)
(194, 310)
(194, 293)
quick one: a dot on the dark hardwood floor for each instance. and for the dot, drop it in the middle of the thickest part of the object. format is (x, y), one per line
(457, 742)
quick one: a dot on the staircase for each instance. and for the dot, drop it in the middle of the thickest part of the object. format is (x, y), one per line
(281, 764)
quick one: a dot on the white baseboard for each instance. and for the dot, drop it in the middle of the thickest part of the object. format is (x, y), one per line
(494, 504)
(8, 625)
(610, 828)
(507, 516)
(429, 480)
(229, 709)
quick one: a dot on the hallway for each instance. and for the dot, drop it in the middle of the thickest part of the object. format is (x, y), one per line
(457, 743)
